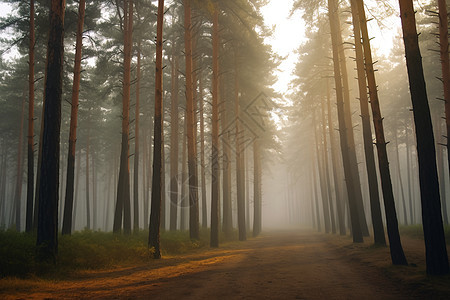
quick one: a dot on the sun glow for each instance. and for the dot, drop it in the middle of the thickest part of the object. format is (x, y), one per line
(288, 34)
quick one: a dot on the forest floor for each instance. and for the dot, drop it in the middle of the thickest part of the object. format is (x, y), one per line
(276, 265)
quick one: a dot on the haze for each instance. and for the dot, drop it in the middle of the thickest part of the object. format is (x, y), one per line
(224, 149)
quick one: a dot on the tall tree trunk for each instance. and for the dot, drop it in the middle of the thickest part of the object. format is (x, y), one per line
(350, 133)
(239, 158)
(19, 177)
(39, 164)
(88, 200)
(395, 245)
(163, 182)
(226, 178)
(202, 144)
(400, 181)
(30, 176)
(157, 182)
(441, 173)
(149, 167)
(214, 241)
(68, 207)
(94, 194)
(408, 170)
(194, 38)
(145, 186)
(174, 143)
(247, 194)
(326, 168)
(3, 169)
(436, 251)
(445, 66)
(323, 188)
(77, 184)
(316, 194)
(47, 231)
(343, 130)
(374, 196)
(123, 187)
(257, 201)
(334, 162)
(136, 143)
(190, 113)
(184, 202)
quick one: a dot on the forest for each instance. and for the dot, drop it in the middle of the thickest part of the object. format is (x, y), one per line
(224, 149)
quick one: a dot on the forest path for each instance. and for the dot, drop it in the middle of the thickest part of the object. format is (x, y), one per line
(277, 265)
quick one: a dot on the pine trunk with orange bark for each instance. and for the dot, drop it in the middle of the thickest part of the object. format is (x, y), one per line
(174, 115)
(136, 144)
(240, 176)
(68, 207)
(190, 117)
(30, 178)
(214, 242)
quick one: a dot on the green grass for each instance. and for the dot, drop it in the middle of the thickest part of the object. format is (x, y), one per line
(416, 231)
(89, 250)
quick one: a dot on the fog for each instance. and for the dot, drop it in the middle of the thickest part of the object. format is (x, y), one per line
(224, 137)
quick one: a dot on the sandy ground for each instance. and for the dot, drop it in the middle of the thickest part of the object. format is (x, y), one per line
(278, 265)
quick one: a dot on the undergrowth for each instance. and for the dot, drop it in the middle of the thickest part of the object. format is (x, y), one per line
(416, 231)
(89, 250)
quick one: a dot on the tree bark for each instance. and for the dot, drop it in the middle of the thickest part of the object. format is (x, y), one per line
(350, 133)
(239, 158)
(226, 178)
(400, 181)
(445, 66)
(19, 177)
(375, 209)
(323, 189)
(349, 176)
(202, 146)
(190, 113)
(174, 143)
(88, 202)
(214, 241)
(316, 193)
(123, 188)
(184, 202)
(77, 183)
(94, 193)
(30, 176)
(396, 249)
(136, 143)
(326, 169)
(157, 187)
(334, 162)
(436, 251)
(47, 231)
(68, 207)
(257, 201)
(409, 170)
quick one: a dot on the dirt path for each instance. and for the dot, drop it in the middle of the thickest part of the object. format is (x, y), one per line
(281, 265)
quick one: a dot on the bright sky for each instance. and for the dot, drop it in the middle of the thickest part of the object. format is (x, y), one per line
(4, 9)
(288, 35)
